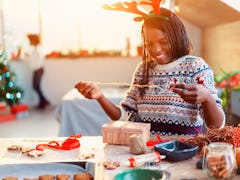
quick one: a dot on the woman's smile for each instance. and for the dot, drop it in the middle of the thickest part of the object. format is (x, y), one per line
(157, 45)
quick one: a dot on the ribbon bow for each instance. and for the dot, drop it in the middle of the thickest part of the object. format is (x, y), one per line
(71, 142)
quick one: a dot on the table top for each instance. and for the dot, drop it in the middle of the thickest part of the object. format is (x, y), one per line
(102, 152)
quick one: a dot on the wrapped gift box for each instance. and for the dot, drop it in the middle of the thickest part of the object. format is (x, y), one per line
(19, 108)
(7, 117)
(118, 132)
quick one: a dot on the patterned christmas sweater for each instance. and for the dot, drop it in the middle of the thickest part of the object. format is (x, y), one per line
(167, 112)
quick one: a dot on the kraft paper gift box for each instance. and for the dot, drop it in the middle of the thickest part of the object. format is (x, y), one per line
(118, 132)
(20, 110)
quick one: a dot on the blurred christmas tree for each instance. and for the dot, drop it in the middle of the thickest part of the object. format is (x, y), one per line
(9, 92)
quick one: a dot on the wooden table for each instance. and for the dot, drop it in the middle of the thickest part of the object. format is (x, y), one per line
(103, 152)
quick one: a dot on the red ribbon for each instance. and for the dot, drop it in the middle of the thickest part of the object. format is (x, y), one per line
(159, 140)
(71, 142)
(153, 142)
(132, 162)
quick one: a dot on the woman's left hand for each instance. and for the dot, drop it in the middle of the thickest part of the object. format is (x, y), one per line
(191, 93)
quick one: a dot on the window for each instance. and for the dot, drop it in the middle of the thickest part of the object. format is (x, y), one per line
(69, 25)
(18, 18)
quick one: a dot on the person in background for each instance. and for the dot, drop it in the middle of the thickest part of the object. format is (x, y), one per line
(35, 58)
(171, 89)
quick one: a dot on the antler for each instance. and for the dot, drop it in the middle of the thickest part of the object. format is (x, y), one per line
(127, 6)
(154, 3)
(132, 8)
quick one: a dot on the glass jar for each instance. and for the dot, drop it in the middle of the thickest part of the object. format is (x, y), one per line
(219, 160)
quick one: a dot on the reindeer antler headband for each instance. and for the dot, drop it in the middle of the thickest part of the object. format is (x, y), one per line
(131, 7)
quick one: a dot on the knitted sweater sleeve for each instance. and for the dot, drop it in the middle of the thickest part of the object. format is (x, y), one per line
(204, 75)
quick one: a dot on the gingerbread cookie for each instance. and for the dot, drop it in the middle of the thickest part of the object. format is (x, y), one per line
(46, 177)
(10, 178)
(25, 150)
(14, 148)
(82, 176)
(86, 156)
(62, 177)
(35, 153)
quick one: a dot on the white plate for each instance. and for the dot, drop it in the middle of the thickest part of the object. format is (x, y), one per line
(35, 170)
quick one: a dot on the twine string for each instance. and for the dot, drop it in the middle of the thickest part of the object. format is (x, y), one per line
(128, 117)
(128, 84)
(138, 85)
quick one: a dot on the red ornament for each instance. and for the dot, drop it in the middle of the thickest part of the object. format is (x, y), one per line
(5, 69)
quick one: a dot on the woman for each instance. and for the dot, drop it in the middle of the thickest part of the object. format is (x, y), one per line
(171, 89)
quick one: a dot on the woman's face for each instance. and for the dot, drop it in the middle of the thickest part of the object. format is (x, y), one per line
(157, 45)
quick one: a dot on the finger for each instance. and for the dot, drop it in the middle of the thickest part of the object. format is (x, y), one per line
(172, 86)
(86, 90)
(79, 84)
(86, 87)
(76, 85)
(180, 86)
(90, 92)
(191, 86)
(180, 92)
(185, 93)
(191, 100)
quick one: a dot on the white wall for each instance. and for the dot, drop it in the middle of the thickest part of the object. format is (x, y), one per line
(195, 37)
(62, 74)
(221, 46)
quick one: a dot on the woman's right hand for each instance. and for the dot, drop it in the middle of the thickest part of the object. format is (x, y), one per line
(89, 90)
